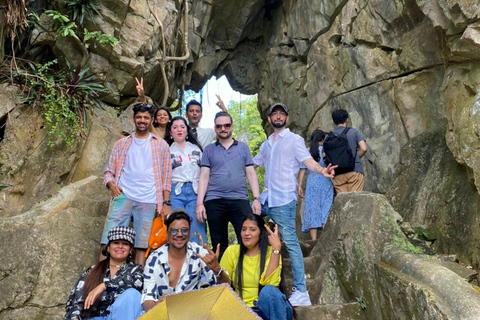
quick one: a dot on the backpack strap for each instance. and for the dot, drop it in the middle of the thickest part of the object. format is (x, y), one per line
(344, 132)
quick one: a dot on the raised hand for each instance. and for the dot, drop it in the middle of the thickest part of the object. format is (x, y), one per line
(140, 90)
(220, 103)
(211, 258)
(273, 238)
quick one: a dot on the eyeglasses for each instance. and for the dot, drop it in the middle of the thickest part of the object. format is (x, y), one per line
(173, 231)
(226, 125)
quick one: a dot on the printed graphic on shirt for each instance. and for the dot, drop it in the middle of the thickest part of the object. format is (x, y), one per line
(178, 159)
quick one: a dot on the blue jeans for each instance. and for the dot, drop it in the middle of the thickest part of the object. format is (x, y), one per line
(187, 199)
(273, 305)
(122, 211)
(284, 217)
(127, 306)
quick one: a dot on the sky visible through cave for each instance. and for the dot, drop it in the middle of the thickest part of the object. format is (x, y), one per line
(221, 87)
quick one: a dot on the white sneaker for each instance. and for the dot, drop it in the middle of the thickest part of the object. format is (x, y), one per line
(299, 298)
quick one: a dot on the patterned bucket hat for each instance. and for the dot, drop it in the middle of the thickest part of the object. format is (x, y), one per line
(122, 233)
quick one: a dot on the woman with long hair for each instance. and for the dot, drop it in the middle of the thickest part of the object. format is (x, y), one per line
(318, 192)
(255, 269)
(186, 154)
(111, 288)
(162, 115)
(161, 119)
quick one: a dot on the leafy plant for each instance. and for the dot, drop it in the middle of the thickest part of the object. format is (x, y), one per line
(100, 37)
(62, 96)
(79, 9)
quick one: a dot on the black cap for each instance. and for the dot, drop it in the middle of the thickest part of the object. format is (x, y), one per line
(278, 105)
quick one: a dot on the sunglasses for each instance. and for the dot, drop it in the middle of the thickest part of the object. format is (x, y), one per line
(226, 126)
(173, 231)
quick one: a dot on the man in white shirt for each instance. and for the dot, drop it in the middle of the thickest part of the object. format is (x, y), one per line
(179, 265)
(194, 114)
(138, 176)
(281, 155)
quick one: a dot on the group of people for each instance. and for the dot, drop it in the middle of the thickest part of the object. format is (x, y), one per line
(174, 170)
(319, 190)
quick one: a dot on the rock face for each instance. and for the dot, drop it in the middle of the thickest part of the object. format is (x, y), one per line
(408, 72)
(366, 258)
(45, 249)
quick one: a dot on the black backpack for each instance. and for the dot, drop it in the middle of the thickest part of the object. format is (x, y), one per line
(338, 152)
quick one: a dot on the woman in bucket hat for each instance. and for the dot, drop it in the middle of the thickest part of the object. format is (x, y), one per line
(111, 287)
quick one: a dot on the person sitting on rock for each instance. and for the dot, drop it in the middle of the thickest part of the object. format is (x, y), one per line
(179, 265)
(254, 267)
(111, 288)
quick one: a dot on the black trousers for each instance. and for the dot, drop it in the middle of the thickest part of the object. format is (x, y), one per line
(219, 213)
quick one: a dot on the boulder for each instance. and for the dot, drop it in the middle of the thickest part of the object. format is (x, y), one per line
(45, 249)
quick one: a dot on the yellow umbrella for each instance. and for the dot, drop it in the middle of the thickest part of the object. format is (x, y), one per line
(216, 302)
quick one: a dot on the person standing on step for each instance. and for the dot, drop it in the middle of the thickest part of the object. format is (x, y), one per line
(139, 177)
(186, 155)
(222, 188)
(281, 155)
(204, 136)
(352, 179)
(318, 192)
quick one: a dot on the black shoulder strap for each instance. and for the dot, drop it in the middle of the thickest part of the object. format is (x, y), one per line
(344, 132)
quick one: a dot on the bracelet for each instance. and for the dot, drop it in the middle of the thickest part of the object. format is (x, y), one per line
(256, 198)
(200, 204)
(219, 272)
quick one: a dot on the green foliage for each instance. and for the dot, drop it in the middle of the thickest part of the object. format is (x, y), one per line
(362, 303)
(100, 37)
(79, 9)
(62, 96)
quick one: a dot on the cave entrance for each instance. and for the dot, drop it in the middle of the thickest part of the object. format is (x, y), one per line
(242, 108)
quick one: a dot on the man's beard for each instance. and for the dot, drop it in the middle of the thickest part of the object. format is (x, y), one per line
(223, 136)
(279, 125)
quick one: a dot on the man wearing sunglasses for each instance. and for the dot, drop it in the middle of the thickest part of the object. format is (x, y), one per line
(222, 188)
(139, 178)
(179, 265)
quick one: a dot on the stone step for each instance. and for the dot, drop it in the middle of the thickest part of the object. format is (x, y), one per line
(347, 311)
(311, 265)
(306, 246)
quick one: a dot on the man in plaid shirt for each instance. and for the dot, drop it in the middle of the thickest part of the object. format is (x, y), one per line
(139, 178)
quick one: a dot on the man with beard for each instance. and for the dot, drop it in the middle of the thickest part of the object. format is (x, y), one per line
(222, 188)
(281, 155)
(179, 265)
(139, 178)
(194, 112)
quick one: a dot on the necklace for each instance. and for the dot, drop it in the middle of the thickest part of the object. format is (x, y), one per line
(140, 144)
(113, 265)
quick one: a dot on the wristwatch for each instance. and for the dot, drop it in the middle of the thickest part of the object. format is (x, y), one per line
(276, 251)
(167, 202)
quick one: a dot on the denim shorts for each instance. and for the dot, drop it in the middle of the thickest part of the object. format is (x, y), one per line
(122, 211)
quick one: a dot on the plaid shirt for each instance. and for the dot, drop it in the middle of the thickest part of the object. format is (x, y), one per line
(162, 167)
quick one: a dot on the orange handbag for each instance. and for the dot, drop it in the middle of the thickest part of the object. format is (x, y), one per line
(158, 235)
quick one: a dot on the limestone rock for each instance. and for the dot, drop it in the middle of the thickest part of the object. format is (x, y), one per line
(369, 260)
(46, 248)
(431, 191)
(26, 162)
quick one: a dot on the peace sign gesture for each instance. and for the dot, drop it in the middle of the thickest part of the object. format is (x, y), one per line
(140, 90)
(273, 239)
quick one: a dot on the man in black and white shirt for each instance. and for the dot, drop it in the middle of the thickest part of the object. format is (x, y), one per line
(180, 265)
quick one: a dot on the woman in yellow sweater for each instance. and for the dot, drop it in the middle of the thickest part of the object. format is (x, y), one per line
(254, 267)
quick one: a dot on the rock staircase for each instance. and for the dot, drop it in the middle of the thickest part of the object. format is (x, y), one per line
(346, 311)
